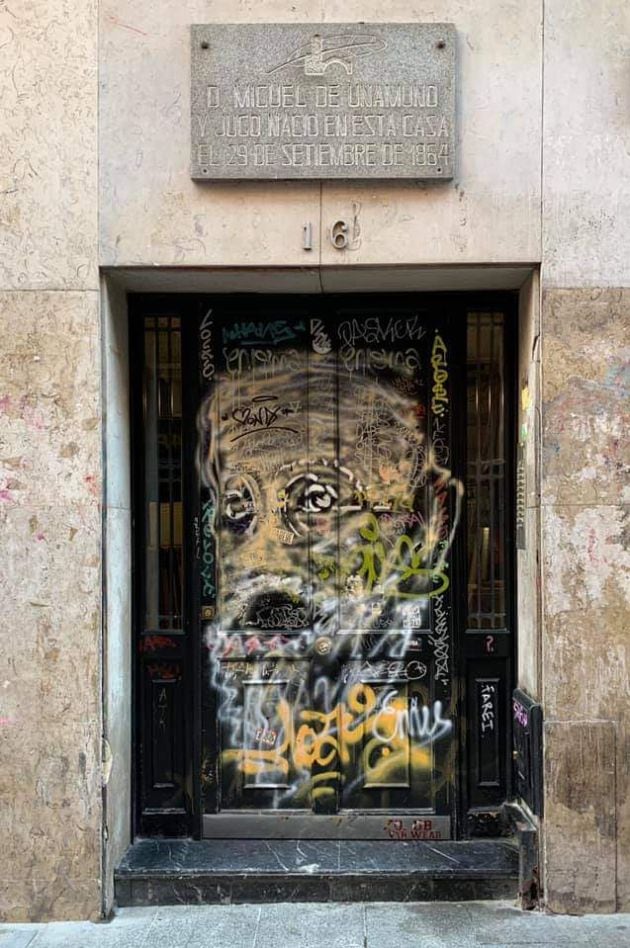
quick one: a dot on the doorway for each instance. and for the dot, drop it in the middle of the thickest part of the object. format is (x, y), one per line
(324, 561)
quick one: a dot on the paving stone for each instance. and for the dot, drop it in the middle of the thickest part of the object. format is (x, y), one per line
(123, 931)
(205, 926)
(14, 938)
(64, 934)
(334, 925)
(297, 924)
(507, 925)
(418, 925)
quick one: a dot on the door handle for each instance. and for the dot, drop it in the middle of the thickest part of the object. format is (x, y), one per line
(323, 645)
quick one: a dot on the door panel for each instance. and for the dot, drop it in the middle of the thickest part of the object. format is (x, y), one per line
(328, 514)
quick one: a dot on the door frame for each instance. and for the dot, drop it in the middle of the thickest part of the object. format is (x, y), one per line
(188, 819)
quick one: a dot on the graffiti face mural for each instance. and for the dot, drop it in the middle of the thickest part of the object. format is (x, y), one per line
(328, 513)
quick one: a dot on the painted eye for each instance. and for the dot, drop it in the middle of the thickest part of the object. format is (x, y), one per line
(307, 493)
(325, 489)
(239, 505)
(319, 497)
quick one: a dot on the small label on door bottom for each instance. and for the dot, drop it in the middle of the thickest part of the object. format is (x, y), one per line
(408, 828)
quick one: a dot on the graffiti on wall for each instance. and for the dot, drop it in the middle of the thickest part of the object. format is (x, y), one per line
(328, 514)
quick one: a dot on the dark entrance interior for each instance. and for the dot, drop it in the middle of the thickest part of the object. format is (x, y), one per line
(324, 637)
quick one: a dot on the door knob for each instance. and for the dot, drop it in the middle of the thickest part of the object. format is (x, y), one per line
(323, 645)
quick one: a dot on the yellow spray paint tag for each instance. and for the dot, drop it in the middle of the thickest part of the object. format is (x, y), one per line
(525, 398)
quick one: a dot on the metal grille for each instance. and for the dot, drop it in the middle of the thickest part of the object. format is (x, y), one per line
(163, 473)
(486, 472)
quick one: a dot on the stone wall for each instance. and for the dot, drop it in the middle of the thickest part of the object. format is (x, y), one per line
(585, 455)
(50, 463)
(152, 213)
(586, 529)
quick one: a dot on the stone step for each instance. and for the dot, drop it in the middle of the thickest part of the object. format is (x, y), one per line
(176, 871)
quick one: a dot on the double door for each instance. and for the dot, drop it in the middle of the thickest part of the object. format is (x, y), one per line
(328, 572)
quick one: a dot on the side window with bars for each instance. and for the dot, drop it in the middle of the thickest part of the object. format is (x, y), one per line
(163, 675)
(486, 473)
(163, 474)
(487, 636)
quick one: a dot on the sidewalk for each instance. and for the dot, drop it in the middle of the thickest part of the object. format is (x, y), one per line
(330, 925)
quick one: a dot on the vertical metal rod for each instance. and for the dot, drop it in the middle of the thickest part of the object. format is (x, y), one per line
(337, 423)
(502, 486)
(171, 534)
(478, 470)
(492, 472)
(157, 477)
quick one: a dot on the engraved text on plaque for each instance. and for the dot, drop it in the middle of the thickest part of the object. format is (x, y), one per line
(295, 101)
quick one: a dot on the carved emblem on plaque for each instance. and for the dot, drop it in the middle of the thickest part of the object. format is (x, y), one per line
(339, 50)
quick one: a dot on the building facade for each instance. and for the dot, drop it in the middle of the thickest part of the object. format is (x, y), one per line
(248, 424)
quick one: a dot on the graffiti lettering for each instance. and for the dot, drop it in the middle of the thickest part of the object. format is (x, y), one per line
(439, 441)
(197, 536)
(520, 713)
(265, 361)
(374, 330)
(207, 552)
(251, 334)
(439, 399)
(282, 617)
(380, 726)
(321, 340)
(257, 416)
(384, 671)
(206, 348)
(440, 638)
(369, 360)
(265, 737)
(236, 645)
(396, 719)
(155, 643)
(487, 707)
(399, 570)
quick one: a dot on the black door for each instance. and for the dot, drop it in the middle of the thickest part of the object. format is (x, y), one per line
(345, 580)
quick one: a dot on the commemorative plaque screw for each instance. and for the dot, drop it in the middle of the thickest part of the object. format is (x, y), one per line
(440, 44)
(205, 44)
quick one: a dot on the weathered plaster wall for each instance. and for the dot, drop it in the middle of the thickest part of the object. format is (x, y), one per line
(50, 463)
(586, 461)
(152, 213)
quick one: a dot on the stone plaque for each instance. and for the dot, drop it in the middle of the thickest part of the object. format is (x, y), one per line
(334, 100)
